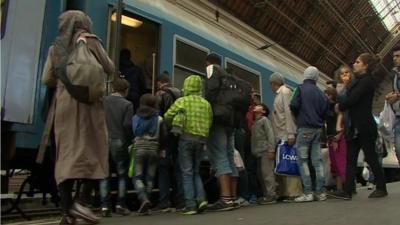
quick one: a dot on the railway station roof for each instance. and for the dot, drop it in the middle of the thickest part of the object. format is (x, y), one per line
(324, 33)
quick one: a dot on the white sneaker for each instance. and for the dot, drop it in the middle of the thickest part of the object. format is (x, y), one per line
(321, 197)
(304, 198)
(242, 202)
(371, 186)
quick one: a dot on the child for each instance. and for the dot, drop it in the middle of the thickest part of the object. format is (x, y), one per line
(263, 147)
(193, 114)
(150, 134)
(336, 140)
(119, 112)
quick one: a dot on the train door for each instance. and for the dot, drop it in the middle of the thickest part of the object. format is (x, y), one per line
(141, 37)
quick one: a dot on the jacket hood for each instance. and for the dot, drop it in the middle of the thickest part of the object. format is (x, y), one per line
(311, 73)
(192, 85)
(146, 112)
(309, 81)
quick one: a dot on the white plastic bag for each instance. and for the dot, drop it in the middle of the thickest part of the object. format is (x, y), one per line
(365, 173)
(238, 160)
(387, 118)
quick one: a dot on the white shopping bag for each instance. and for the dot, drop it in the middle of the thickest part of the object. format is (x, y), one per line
(387, 118)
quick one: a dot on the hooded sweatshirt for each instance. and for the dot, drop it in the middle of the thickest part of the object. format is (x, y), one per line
(148, 129)
(308, 103)
(191, 112)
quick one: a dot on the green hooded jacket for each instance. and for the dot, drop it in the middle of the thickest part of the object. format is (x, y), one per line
(191, 112)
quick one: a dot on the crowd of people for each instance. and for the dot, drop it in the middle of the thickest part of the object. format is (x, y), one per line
(170, 133)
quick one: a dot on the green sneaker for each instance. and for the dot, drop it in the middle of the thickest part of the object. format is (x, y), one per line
(189, 211)
(202, 206)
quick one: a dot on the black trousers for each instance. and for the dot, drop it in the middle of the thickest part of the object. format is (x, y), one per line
(367, 144)
(250, 163)
(243, 180)
(66, 188)
(66, 195)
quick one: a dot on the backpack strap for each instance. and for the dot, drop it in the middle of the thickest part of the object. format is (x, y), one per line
(79, 93)
(171, 93)
(163, 106)
(296, 99)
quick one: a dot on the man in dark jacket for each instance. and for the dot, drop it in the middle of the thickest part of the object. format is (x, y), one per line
(134, 75)
(310, 107)
(166, 96)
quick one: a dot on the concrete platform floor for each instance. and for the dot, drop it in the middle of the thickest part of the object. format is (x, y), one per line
(359, 211)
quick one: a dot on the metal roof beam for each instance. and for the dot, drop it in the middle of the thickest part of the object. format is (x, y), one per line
(283, 26)
(365, 19)
(303, 30)
(352, 29)
(305, 22)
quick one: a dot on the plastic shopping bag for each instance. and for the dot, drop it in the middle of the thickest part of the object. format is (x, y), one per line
(365, 172)
(238, 160)
(386, 119)
(132, 153)
(286, 160)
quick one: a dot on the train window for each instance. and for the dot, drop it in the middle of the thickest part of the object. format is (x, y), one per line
(244, 72)
(189, 59)
(179, 76)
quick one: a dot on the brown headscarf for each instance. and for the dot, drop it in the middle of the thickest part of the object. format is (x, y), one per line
(72, 23)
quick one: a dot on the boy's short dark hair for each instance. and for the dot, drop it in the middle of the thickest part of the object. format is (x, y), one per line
(120, 85)
(213, 59)
(163, 78)
(331, 91)
(148, 100)
(265, 108)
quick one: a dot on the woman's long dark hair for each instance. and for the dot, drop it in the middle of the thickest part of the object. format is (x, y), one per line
(371, 60)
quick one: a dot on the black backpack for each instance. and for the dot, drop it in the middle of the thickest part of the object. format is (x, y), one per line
(163, 107)
(231, 100)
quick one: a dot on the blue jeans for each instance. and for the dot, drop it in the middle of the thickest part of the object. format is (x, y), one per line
(221, 150)
(308, 140)
(190, 156)
(144, 180)
(119, 155)
(396, 129)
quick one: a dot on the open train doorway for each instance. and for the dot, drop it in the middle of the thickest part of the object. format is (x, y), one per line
(141, 37)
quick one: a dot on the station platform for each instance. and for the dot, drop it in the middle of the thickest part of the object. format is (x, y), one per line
(359, 211)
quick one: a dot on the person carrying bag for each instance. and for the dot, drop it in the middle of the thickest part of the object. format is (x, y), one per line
(286, 160)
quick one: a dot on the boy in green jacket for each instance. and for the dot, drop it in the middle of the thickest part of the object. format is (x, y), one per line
(193, 115)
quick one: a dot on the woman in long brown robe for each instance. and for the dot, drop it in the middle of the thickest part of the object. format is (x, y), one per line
(80, 129)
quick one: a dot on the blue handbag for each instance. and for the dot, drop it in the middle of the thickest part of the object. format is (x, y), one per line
(286, 160)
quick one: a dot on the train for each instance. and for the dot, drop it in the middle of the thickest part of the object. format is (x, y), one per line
(172, 36)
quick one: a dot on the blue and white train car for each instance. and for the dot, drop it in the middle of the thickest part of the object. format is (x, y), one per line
(180, 33)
